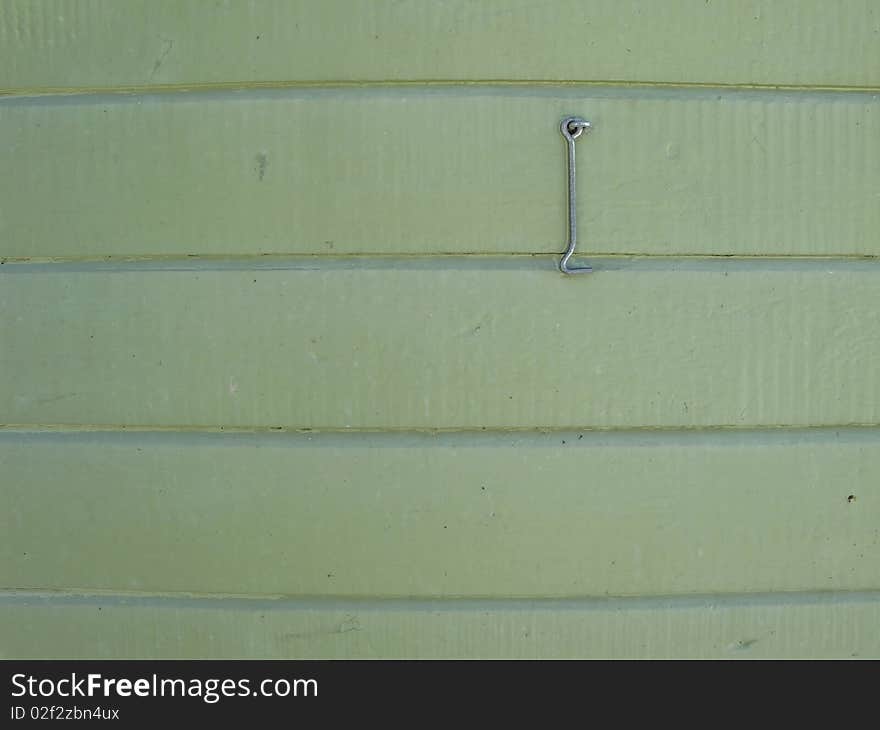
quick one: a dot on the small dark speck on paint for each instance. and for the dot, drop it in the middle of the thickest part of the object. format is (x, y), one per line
(851, 498)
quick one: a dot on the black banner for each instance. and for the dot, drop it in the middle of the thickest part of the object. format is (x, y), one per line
(150, 692)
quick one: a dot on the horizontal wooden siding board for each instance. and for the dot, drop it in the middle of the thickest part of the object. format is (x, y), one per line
(451, 345)
(558, 514)
(460, 170)
(47, 44)
(109, 627)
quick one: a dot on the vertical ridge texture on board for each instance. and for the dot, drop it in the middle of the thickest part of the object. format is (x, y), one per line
(359, 515)
(109, 627)
(461, 170)
(106, 43)
(442, 345)
(343, 216)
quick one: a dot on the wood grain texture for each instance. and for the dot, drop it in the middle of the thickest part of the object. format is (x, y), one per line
(111, 43)
(420, 171)
(442, 344)
(559, 514)
(793, 626)
(369, 419)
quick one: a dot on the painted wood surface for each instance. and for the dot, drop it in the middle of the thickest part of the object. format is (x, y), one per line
(112, 43)
(441, 344)
(477, 515)
(327, 395)
(459, 170)
(792, 625)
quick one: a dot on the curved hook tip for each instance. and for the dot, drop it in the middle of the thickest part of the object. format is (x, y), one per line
(569, 270)
(566, 269)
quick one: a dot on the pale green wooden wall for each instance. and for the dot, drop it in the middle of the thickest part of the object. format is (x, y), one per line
(286, 369)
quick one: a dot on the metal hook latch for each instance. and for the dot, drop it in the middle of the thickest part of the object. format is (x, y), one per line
(572, 128)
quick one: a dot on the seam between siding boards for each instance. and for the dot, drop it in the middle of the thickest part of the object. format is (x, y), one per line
(554, 89)
(619, 262)
(458, 437)
(11, 597)
(409, 83)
